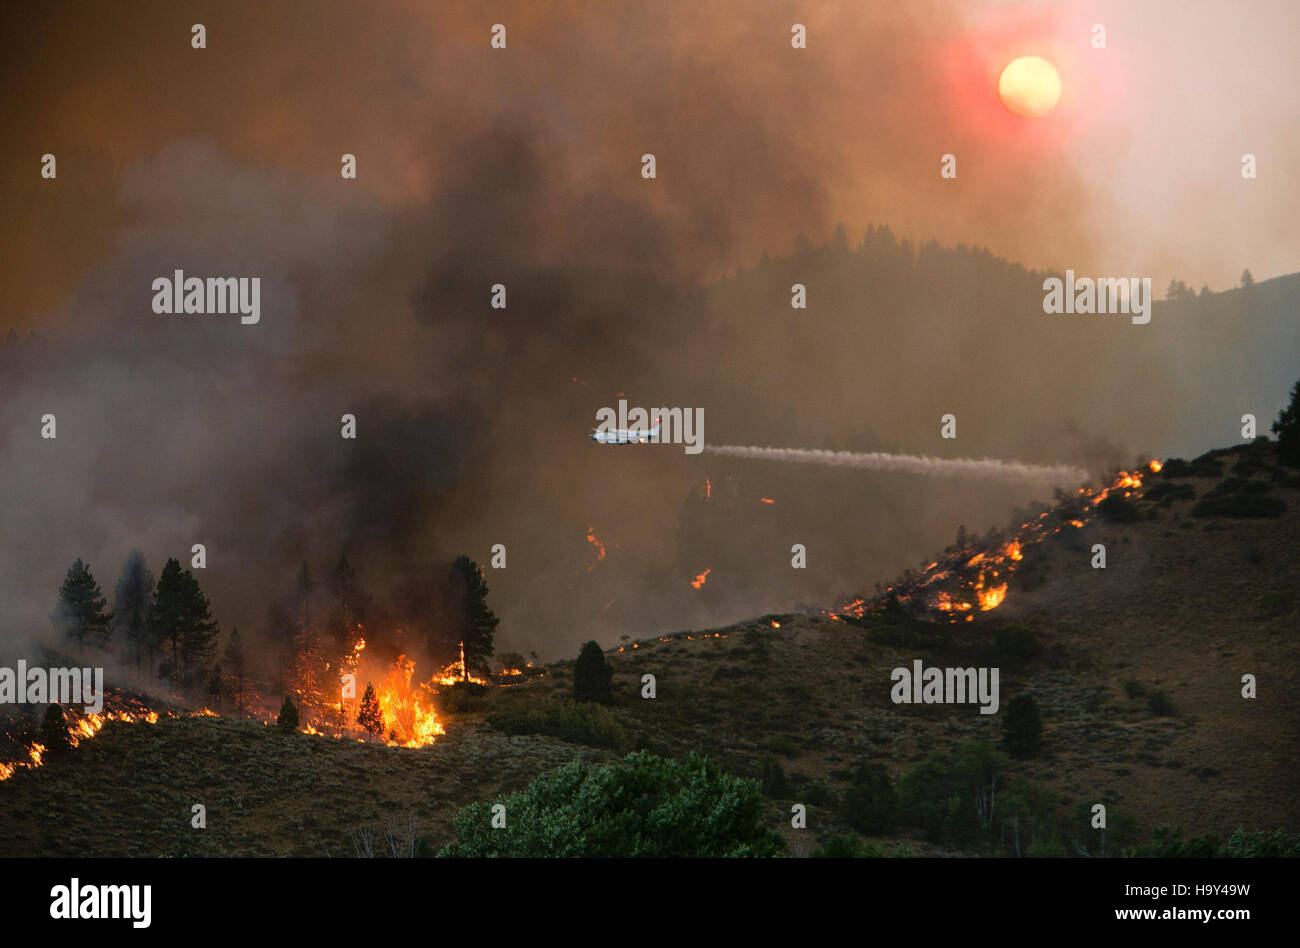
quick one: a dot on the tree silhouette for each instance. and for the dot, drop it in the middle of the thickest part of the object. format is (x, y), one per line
(593, 675)
(80, 609)
(477, 621)
(1287, 429)
(370, 717)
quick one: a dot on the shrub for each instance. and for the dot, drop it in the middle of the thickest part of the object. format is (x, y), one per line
(1160, 704)
(593, 676)
(577, 723)
(460, 697)
(54, 730)
(1134, 688)
(1239, 505)
(1260, 845)
(1166, 492)
(288, 717)
(1022, 728)
(646, 806)
(869, 805)
(847, 847)
(1118, 509)
(772, 777)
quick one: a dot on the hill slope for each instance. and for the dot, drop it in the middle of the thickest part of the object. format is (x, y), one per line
(1136, 669)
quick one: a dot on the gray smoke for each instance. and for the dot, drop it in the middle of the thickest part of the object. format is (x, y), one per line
(911, 463)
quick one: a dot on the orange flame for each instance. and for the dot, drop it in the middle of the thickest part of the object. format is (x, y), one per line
(699, 580)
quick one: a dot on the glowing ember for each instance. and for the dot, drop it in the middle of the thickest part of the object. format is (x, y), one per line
(767, 500)
(600, 547)
(699, 580)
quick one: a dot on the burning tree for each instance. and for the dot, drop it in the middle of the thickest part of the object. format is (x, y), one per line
(477, 621)
(80, 609)
(370, 717)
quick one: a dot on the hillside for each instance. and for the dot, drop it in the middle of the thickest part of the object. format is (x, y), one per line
(1136, 669)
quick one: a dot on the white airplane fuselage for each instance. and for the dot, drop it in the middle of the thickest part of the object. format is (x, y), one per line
(626, 436)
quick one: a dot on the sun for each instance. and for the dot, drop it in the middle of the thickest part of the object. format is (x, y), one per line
(1030, 86)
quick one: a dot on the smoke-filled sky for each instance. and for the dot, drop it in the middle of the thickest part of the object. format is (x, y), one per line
(522, 166)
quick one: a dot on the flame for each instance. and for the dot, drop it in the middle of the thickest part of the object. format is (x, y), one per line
(976, 575)
(1155, 466)
(708, 489)
(600, 547)
(699, 580)
(775, 624)
(82, 729)
(767, 500)
(409, 718)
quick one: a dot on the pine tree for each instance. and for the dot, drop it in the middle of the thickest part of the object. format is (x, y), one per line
(593, 675)
(288, 717)
(198, 638)
(1287, 429)
(80, 609)
(167, 614)
(370, 717)
(478, 621)
(131, 610)
(182, 621)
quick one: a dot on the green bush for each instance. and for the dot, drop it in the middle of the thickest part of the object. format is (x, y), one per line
(869, 805)
(645, 806)
(585, 723)
(1261, 845)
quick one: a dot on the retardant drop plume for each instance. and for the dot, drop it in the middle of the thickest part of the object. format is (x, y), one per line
(910, 463)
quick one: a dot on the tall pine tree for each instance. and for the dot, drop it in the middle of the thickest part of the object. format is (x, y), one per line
(80, 610)
(182, 621)
(477, 620)
(131, 610)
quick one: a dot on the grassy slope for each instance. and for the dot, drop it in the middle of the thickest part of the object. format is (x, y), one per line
(1186, 605)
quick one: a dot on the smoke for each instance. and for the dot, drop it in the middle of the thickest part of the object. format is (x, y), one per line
(911, 463)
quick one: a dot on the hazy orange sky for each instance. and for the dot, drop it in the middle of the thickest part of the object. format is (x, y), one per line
(1136, 172)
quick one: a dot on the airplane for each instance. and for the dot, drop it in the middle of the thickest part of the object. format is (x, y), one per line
(625, 435)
